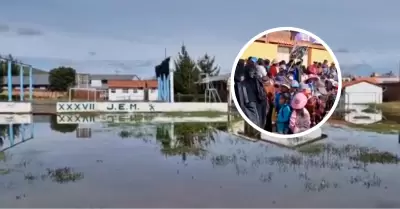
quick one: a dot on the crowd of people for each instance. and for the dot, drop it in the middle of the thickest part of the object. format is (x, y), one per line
(285, 97)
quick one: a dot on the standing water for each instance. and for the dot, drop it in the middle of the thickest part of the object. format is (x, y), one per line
(194, 165)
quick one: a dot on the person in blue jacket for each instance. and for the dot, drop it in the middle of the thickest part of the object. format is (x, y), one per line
(283, 117)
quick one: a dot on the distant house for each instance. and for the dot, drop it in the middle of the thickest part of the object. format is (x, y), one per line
(361, 91)
(101, 80)
(219, 82)
(133, 90)
(39, 81)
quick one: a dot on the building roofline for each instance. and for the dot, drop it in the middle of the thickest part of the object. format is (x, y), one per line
(352, 83)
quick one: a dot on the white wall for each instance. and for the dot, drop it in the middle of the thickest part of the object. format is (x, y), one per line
(362, 93)
(16, 118)
(153, 94)
(282, 54)
(125, 94)
(15, 107)
(125, 107)
(132, 119)
(95, 83)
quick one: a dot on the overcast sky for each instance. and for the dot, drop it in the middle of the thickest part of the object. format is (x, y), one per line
(104, 35)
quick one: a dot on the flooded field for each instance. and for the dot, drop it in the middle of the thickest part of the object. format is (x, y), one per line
(193, 165)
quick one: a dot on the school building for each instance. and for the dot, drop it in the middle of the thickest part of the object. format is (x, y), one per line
(278, 45)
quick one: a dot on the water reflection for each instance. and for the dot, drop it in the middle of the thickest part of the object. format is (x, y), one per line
(185, 139)
(62, 127)
(153, 165)
(14, 130)
(362, 114)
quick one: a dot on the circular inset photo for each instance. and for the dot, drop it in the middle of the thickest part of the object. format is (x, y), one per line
(286, 82)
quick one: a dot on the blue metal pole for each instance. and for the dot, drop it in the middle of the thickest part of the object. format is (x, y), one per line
(11, 134)
(158, 88)
(21, 82)
(167, 99)
(30, 83)
(162, 88)
(9, 80)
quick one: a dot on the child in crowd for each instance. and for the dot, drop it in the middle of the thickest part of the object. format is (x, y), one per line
(283, 88)
(283, 117)
(311, 80)
(300, 117)
(295, 86)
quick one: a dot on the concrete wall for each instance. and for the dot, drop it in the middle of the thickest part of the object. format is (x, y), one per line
(153, 94)
(363, 93)
(16, 118)
(70, 107)
(89, 94)
(133, 119)
(125, 94)
(320, 55)
(15, 107)
(261, 50)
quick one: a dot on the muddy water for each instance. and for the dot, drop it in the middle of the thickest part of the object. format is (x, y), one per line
(188, 165)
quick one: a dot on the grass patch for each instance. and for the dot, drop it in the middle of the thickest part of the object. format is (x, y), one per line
(385, 127)
(376, 157)
(370, 110)
(4, 171)
(312, 149)
(64, 175)
(388, 108)
(354, 153)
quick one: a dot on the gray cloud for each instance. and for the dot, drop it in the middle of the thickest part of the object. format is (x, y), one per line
(133, 64)
(21, 31)
(4, 28)
(342, 50)
(29, 32)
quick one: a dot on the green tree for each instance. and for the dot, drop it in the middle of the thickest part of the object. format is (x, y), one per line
(62, 128)
(62, 78)
(185, 74)
(207, 65)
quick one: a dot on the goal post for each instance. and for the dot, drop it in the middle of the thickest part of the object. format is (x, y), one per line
(101, 92)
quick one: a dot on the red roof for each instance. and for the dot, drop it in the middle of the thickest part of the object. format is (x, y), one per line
(286, 38)
(360, 80)
(132, 84)
(151, 83)
(126, 84)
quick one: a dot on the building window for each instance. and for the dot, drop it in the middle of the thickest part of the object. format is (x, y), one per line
(112, 90)
(125, 91)
(104, 81)
(135, 90)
